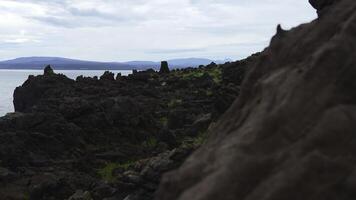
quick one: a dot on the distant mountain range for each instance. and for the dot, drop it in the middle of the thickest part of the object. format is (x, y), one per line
(72, 64)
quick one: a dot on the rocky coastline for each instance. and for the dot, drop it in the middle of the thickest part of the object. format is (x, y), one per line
(109, 137)
(279, 124)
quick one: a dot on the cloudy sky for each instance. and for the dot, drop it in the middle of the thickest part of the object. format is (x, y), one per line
(121, 30)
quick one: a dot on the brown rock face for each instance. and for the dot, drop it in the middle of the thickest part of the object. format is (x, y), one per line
(291, 134)
(319, 5)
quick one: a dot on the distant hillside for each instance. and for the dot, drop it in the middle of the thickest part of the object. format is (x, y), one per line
(72, 64)
(59, 63)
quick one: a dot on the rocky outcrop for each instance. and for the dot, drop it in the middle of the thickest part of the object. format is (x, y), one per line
(48, 70)
(319, 5)
(164, 67)
(108, 76)
(288, 135)
(291, 133)
(97, 138)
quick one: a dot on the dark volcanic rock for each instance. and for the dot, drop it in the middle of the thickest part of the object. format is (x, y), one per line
(108, 76)
(291, 133)
(48, 70)
(164, 67)
(319, 5)
(70, 138)
(35, 88)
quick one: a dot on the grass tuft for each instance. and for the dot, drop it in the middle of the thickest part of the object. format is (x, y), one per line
(106, 173)
(150, 143)
(174, 103)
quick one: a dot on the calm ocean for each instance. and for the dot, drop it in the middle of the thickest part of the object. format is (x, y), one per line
(10, 79)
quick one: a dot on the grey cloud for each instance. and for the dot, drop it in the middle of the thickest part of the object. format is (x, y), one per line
(55, 21)
(58, 2)
(9, 45)
(127, 27)
(88, 13)
(234, 2)
(64, 14)
(241, 44)
(174, 51)
(94, 13)
(79, 22)
(236, 29)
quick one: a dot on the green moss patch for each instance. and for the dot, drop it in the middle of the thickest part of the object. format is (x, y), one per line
(215, 73)
(163, 121)
(106, 173)
(194, 142)
(174, 103)
(150, 143)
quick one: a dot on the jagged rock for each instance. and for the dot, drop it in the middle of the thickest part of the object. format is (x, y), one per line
(108, 76)
(201, 123)
(48, 71)
(235, 72)
(177, 118)
(148, 174)
(164, 67)
(44, 186)
(64, 132)
(212, 65)
(291, 133)
(132, 177)
(29, 94)
(319, 5)
(102, 191)
(81, 195)
(280, 31)
(6, 175)
(118, 76)
(143, 76)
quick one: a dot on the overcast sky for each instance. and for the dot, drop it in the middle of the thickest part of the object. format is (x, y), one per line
(121, 30)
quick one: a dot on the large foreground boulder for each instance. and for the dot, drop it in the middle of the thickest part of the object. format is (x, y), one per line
(291, 134)
(319, 5)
